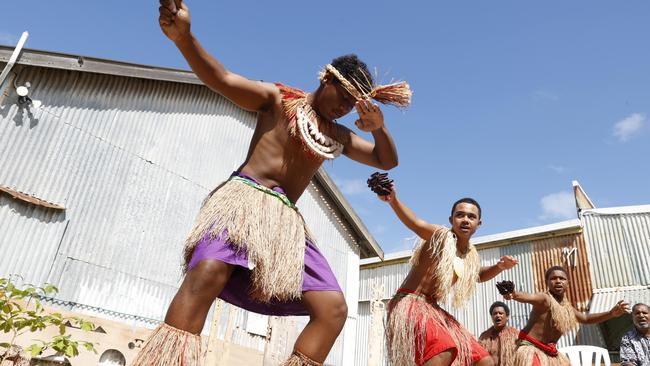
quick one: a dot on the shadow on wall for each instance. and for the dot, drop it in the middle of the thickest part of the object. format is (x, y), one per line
(30, 210)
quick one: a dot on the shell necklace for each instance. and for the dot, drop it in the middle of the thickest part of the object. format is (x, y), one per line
(317, 142)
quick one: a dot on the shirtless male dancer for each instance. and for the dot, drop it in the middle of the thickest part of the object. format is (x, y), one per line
(551, 317)
(250, 246)
(444, 264)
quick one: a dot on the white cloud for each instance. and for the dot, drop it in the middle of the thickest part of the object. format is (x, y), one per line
(351, 186)
(8, 39)
(557, 168)
(628, 127)
(560, 205)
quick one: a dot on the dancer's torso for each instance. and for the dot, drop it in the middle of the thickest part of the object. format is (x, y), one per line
(540, 326)
(420, 278)
(275, 158)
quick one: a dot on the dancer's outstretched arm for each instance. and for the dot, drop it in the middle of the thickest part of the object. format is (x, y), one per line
(619, 309)
(536, 299)
(420, 227)
(489, 272)
(250, 95)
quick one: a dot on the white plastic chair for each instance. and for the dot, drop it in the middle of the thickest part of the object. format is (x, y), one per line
(587, 355)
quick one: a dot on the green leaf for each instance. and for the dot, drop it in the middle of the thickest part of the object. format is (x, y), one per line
(7, 345)
(62, 329)
(35, 350)
(71, 351)
(87, 326)
(50, 289)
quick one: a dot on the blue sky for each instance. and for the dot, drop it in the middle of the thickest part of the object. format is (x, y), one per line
(512, 100)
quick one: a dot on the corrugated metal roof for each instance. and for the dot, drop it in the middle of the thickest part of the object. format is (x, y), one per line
(388, 277)
(363, 339)
(619, 245)
(605, 299)
(570, 252)
(494, 240)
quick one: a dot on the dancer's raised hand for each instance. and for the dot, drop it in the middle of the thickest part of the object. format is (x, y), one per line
(370, 116)
(507, 262)
(381, 185)
(174, 19)
(621, 307)
(390, 196)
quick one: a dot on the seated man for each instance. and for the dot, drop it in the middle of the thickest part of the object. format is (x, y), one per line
(552, 317)
(635, 344)
(500, 340)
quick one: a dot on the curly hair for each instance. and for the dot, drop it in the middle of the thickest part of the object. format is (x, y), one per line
(469, 200)
(500, 304)
(352, 68)
(548, 272)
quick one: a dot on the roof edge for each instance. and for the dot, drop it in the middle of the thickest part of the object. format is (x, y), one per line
(63, 61)
(367, 241)
(492, 241)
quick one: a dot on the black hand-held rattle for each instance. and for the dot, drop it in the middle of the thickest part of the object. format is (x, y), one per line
(380, 184)
(506, 287)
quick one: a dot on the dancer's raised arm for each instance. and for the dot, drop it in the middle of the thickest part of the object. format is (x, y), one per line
(248, 94)
(408, 217)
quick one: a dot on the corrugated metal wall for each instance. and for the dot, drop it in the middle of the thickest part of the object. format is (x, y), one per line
(131, 160)
(534, 257)
(619, 245)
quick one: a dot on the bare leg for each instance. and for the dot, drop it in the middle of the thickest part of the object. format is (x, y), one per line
(201, 286)
(328, 312)
(441, 359)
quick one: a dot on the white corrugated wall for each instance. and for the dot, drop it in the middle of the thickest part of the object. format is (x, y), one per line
(619, 246)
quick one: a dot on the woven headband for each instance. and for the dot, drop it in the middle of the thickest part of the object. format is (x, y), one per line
(397, 94)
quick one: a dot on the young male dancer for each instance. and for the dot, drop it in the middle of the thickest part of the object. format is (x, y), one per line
(445, 264)
(250, 246)
(552, 316)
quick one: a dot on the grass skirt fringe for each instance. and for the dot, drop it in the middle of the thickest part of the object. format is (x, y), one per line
(271, 232)
(564, 318)
(298, 359)
(406, 329)
(442, 248)
(525, 355)
(169, 346)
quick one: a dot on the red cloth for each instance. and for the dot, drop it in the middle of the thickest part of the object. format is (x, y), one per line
(438, 340)
(550, 349)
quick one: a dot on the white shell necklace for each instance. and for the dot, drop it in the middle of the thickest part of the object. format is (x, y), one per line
(319, 143)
